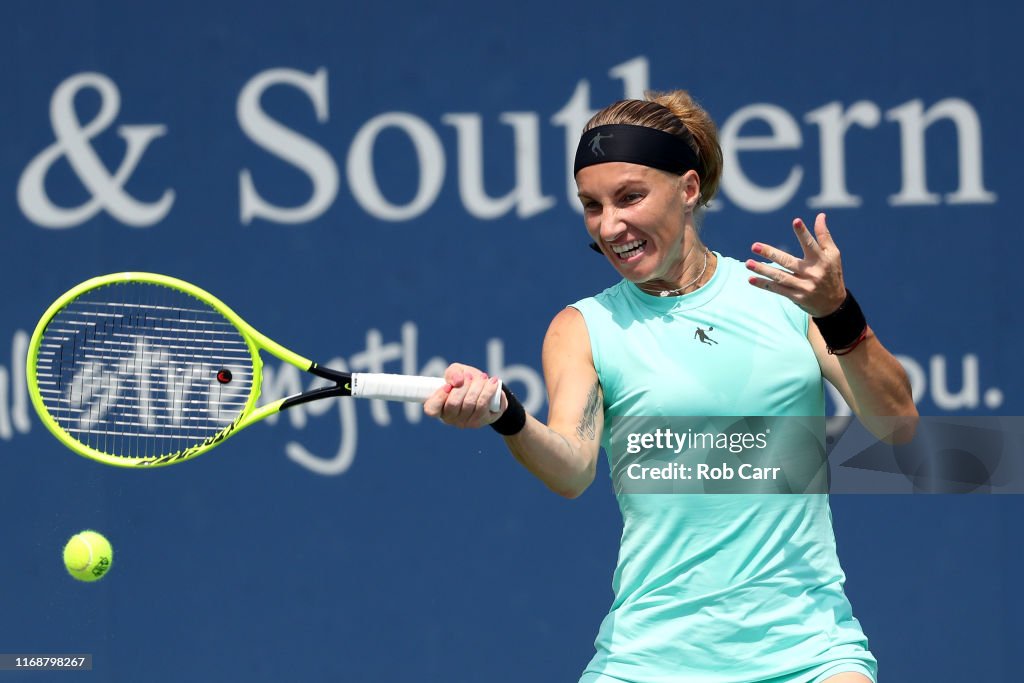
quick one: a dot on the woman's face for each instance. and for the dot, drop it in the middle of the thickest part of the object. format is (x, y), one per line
(638, 216)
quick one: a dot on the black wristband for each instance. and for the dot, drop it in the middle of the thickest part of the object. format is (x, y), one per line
(844, 326)
(513, 419)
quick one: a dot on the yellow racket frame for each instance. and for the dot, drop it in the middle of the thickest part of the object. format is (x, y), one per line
(253, 339)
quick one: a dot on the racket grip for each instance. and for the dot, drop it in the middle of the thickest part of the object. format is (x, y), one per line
(408, 388)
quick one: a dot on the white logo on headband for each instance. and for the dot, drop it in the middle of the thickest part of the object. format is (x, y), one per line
(595, 144)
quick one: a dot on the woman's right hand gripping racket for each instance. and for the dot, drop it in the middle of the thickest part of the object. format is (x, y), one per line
(139, 369)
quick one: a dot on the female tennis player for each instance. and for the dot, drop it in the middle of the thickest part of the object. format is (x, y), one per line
(710, 588)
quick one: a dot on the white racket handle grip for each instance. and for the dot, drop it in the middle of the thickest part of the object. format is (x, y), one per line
(408, 388)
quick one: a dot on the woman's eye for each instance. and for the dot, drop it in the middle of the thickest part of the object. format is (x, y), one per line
(633, 197)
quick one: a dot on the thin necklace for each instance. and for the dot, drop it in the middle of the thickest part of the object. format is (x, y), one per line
(691, 283)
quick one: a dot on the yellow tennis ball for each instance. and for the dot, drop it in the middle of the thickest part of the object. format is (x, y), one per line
(88, 556)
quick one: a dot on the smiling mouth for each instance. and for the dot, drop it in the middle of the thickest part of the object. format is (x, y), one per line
(629, 249)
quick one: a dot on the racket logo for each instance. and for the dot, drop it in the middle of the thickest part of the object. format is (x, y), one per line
(189, 452)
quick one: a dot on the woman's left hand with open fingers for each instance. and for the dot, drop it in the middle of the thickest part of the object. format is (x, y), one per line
(814, 282)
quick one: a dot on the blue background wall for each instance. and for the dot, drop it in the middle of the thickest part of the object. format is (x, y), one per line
(363, 543)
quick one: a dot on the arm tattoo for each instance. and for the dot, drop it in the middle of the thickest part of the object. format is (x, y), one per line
(586, 429)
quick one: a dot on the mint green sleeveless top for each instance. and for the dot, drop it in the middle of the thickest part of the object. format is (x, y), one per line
(717, 588)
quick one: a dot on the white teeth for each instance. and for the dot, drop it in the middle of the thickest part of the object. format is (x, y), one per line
(629, 249)
(628, 246)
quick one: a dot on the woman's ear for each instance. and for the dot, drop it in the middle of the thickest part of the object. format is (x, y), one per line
(689, 185)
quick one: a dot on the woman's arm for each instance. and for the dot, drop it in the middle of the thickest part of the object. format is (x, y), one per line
(869, 378)
(873, 383)
(563, 453)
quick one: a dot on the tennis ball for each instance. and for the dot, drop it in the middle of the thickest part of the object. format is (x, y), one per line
(88, 556)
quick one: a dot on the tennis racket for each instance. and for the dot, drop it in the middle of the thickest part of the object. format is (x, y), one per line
(143, 370)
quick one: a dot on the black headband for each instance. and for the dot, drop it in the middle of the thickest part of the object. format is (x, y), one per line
(635, 145)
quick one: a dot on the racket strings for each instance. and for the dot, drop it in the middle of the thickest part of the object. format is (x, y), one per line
(139, 370)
